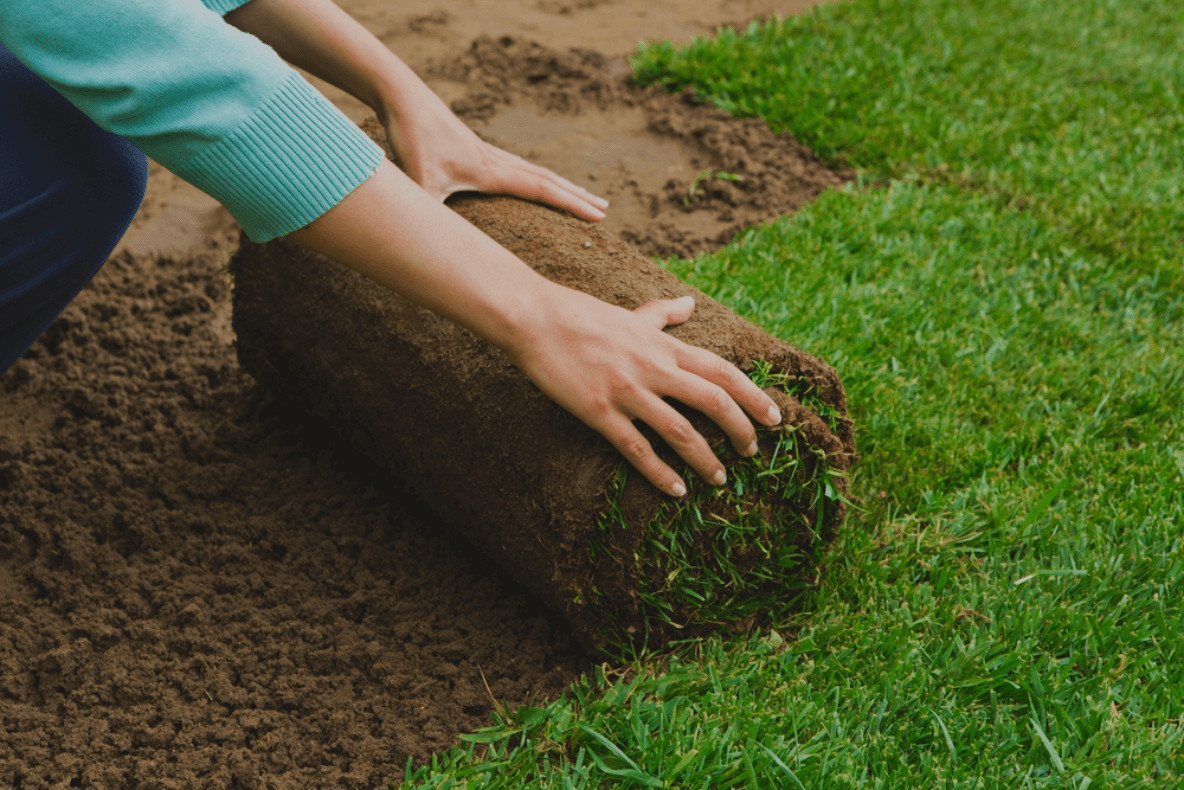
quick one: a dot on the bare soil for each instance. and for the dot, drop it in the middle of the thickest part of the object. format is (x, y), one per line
(198, 588)
(682, 178)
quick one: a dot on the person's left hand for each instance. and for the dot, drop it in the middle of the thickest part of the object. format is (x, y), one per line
(444, 156)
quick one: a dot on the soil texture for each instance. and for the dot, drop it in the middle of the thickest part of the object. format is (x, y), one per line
(197, 590)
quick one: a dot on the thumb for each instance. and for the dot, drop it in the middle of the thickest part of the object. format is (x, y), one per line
(664, 312)
(442, 188)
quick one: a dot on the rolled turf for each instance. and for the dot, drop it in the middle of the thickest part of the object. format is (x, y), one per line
(526, 483)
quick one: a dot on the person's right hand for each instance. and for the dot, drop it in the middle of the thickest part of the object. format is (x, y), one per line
(431, 144)
(609, 367)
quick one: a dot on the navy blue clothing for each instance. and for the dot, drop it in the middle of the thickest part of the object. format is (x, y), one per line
(68, 191)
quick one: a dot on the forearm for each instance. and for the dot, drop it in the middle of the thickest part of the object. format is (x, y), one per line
(395, 233)
(214, 105)
(322, 39)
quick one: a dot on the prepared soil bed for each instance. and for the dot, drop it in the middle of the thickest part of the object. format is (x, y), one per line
(198, 588)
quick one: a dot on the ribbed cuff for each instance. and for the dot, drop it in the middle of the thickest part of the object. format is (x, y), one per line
(294, 159)
(224, 7)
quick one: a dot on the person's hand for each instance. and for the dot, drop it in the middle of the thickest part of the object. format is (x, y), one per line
(444, 156)
(609, 367)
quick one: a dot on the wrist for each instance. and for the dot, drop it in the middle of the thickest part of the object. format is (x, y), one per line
(405, 101)
(531, 314)
(379, 89)
(395, 87)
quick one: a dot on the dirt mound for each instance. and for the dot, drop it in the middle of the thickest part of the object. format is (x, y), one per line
(683, 178)
(197, 591)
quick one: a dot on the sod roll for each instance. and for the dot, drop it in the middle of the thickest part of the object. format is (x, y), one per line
(527, 484)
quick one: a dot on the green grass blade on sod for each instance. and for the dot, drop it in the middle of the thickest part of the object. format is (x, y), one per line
(739, 554)
(1004, 306)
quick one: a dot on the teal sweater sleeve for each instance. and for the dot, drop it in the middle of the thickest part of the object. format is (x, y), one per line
(224, 7)
(213, 104)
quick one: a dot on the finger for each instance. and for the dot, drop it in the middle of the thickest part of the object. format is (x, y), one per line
(586, 204)
(661, 313)
(713, 401)
(624, 436)
(543, 190)
(731, 380)
(551, 175)
(677, 431)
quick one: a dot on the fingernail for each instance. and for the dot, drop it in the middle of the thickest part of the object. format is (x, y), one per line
(774, 415)
(678, 489)
(750, 450)
(720, 478)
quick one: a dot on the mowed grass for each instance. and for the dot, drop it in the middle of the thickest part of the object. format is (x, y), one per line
(1071, 110)
(1003, 298)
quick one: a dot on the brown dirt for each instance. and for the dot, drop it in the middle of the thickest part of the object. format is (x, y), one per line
(197, 589)
(682, 178)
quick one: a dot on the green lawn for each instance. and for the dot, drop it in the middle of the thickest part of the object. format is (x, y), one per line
(1003, 297)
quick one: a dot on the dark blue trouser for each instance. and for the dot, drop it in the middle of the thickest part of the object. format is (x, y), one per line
(68, 191)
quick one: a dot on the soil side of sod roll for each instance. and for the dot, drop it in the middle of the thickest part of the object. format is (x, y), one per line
(530, 486)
